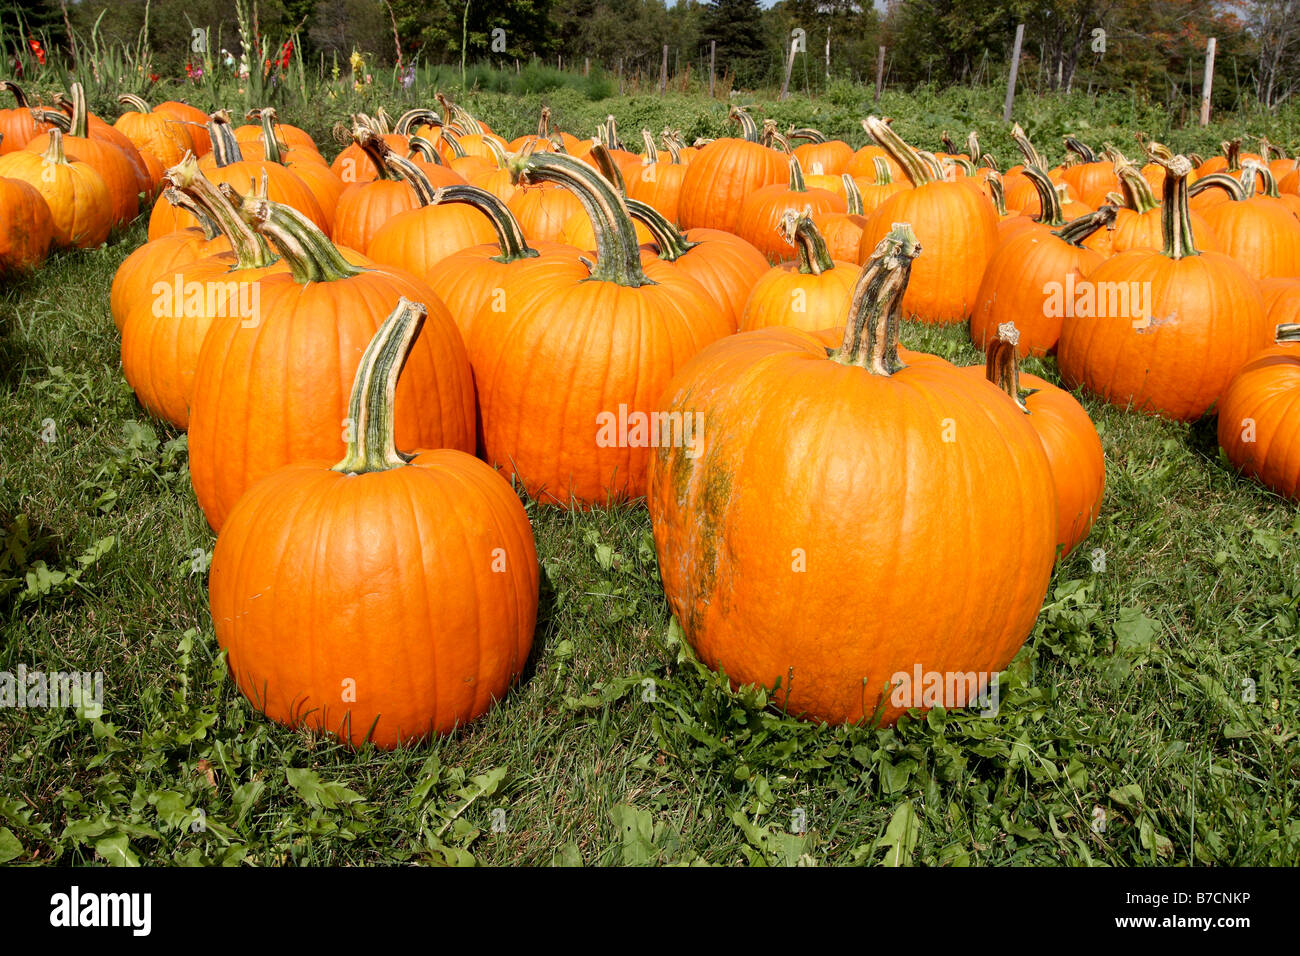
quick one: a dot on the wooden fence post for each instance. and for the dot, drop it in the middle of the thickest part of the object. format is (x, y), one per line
(1015, 68)
(789, 68)
(880, 72)
(663, 73)
(1208, 84)
(713, 52)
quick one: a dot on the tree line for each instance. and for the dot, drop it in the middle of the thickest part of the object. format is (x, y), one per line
(1154, 48)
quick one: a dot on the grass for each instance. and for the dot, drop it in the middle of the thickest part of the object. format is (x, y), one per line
(1149, 719)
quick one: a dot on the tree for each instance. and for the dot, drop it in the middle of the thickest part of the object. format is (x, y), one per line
(743, 46)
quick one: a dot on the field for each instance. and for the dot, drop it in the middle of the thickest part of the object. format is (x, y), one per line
(1151, 717)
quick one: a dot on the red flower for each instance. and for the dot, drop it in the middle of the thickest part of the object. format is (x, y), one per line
(286, 54)
(39, 50)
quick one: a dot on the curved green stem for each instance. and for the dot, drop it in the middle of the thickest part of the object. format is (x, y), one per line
(617, 250)
(670, 240)
(225, 147)
(801, 232)
(806, 134)
(418, 144)
(1051, 214)
(651, 154)
(311, 257)
(182, 201)
(1027, 149)
(376, 150)
(1138, 195)
(997, 192)
(852, 195)
(1002, 367)
(9, 86)
(80, 121)
(748, 128)
(1258, 179)
(871, 332)
(1077, 230)
(1287, 332)
(510, 236)
(796, 184)
(136, 103)
(373, 444)
(1234, 187)
(914, 166)
(884, 172)
(1175, 216)
(1084, 152)
(416, 117)
(251, 251)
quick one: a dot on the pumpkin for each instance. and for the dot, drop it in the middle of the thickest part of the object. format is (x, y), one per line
(724, 264)
(657, 182)
(1091, 179)
(134, 279)
(18, 126)
(253, 136)
(956, 225)
(496, 180)
(460, 162)
(1169, 329)
(276, 392)
(123, 179)
(162, 136)
(352, 164)
(819, 155)
(1019, 191)
(76, 196)
(540, 141)
(471, 279)
(420, 238)
(762, 212)
(544, 210)
(365, 207)
(571, 364)
(1257, 230)
(226, 164)
(314, 576)
(884, 185)
(163, 331)
(843, 230)
(798, 545)
(26, 227)
(195, 121)
(1260, 412)
(307, 165)
(1031, 277)
(863, 164)
(810, 293)
(723, 173)
(1070, 439)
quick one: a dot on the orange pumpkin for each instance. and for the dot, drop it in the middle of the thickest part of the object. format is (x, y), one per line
(575, 356)
(723, 173)
(18, 126)
(1138, 225)
(843, 230)
(275, 392)
(956, 225)
(1259, 414)
(817, 154)
(658, 182)
(1257, 230)
(418, 239)
(763, 211)
(76, 196)
(1168, 330)
(810, 293)
(306, 600)
(798, 551)
(1070, 439)
(164, 137)
(366, 207)
(26, 227)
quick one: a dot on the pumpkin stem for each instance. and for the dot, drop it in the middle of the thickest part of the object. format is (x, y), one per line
(1287, 332)
(416, 117)
(1027, 149)
(136, 103)
(871, 332)
(1002, 367)
(1175, 215)
(973, 147)
(997, 192)
(1077, 230)
(1052, 214)
(748, 128)
(1080, 149)
(1138, 195)
(426, 150)
(668, 238)
(805, 133)
(510, 237)
(181, 201)
(1259, 180)
(374, 147)
(54, 154)
(651, 154)
(617, 251)
(1232, 150)
(310, 255)
(605, 165)
(852, 195)
(797, 184)
(9, 86)
(772, 136)
(884, 172)
(1235, 188)
(80, 121)
(453, 143)
(373, 445)
(917, 170)
(402, 169)
(251, 251)
(949, 146)
(225, 147)
(271, 144)
(799, 230)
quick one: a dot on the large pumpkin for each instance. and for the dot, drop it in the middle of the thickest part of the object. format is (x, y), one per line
(723, 173)
(1165, 331)
(167, 138)
(1259, 417)
(275, 391)
(18, 126)
(798, 543)
(656, 181)
(383, 599)
(569, 368)
(762, 212)
(956, 225)
(77, 197)
(1256, 229)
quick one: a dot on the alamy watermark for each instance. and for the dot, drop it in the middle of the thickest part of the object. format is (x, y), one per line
(81, 690)
(950, 689)
(633, 429)
(1098, 300)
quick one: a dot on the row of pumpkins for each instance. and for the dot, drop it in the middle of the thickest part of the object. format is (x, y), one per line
(804, 477)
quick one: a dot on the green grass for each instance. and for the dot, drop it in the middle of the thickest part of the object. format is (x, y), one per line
(1123, 737)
